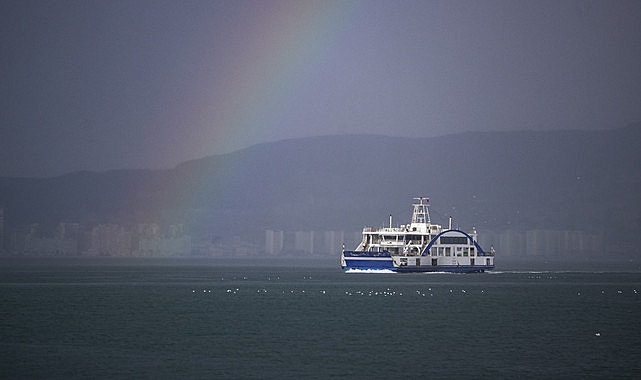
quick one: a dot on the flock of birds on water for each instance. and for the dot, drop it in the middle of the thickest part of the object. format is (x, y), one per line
(387, 292)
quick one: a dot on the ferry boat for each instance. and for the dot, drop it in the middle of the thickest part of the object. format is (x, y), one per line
(420, 246)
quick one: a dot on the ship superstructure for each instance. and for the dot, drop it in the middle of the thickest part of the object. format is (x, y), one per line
(420, 246)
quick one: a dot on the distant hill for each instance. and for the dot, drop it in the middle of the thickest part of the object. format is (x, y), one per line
(575, 180)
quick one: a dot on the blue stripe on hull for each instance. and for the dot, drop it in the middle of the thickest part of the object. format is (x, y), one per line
(368, 264)
(365, 264)
(362, 260)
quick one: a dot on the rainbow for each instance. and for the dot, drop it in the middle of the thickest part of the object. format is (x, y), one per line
(280, 57)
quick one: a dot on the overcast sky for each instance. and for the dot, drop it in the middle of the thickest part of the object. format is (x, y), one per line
(98, 85)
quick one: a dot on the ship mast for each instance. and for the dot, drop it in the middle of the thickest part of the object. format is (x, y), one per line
(421, 212)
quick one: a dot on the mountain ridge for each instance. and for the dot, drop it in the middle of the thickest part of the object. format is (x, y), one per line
(577, 180)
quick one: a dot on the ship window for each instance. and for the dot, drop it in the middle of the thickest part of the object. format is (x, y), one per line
(448, 251)
(465, 252)
(453, 240)
(472, 252)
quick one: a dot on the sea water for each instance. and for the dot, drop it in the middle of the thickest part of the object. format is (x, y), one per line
(217, 319)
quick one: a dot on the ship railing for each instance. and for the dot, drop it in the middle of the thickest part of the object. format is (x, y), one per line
(384, 229)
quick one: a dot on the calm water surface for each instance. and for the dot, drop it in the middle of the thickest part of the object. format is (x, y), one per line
(212, 319)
